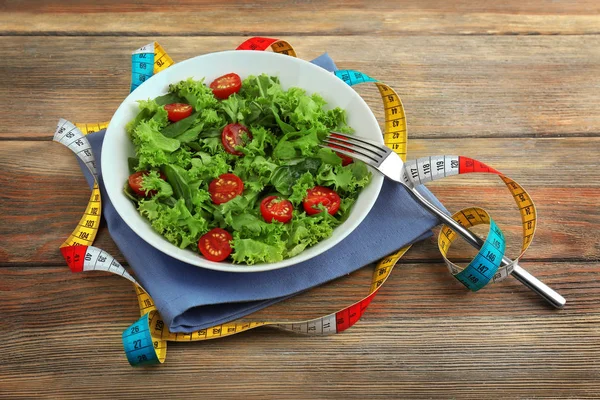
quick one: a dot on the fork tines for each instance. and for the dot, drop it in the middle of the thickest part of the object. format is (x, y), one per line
(362, 149)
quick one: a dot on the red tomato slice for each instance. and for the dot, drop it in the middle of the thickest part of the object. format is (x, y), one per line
(232, 136)
(345, 159)
(135, 183)
(214, 245)
(226, 85)
(321, 195)
(225, 188)
(274, 208)
(178, 111)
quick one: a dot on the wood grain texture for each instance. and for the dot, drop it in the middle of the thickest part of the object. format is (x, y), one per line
(423, 336)
(512, 83)
(307, 17)
(484, 86)
(42, 207)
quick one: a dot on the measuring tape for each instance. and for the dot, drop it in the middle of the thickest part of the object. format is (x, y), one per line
(147, 61)
(145, 341)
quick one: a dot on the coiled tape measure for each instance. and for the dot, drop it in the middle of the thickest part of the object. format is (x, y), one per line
(145, 341)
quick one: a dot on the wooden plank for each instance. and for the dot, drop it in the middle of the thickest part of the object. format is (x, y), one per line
(337, 17)
(422, 337)
(41, 207)
(482, 86)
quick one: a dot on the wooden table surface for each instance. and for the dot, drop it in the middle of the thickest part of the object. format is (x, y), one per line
(515, 84)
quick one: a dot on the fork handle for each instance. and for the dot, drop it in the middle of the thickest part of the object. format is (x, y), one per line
(519, 273)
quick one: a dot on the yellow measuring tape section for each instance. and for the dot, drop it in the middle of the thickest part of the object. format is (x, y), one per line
(85, 232)
(91, 128)
(161, 59)
(395, 134)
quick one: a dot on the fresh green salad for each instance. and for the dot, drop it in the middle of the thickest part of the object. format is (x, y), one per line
(234, 169)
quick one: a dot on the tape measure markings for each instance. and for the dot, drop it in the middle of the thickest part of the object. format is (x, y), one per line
(146, 61)
(395, 132)
(91, 128)
(263, 43)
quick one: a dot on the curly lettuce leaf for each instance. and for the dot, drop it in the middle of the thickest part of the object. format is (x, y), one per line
(285, 176)
(206, 167)
(252, 251)
(149, 110)
(196, 93)
(175, 223)
(153, 181)
(300, 187)
(306, 231)
(153, 148)
(347, 181)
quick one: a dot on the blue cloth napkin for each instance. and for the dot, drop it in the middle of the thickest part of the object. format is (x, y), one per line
(191, 298)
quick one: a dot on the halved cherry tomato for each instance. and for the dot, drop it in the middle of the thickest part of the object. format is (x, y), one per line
(321, 195)
(225, 188)
(178, 111)
(135, 183)
(274, 208)
(214, 245)
(232, 136)
(226, 85)
(345, 159)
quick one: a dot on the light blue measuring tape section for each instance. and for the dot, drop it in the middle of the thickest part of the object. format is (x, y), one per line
(142, 65)
(352, 77)
(483, 267)
(138, 343)
(147, 61)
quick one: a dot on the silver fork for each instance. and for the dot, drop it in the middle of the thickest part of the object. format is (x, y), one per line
(391, 165)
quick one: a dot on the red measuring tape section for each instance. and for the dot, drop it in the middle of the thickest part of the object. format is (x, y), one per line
(263, 43)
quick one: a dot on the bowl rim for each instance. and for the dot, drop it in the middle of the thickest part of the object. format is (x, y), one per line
(112, 130)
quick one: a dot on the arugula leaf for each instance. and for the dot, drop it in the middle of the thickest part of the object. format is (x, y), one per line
(133, 163)
(181, 190)
(284, 177)
(191, 134)
(285, 128)
(129, 193)
(169, 98)
(177, 128)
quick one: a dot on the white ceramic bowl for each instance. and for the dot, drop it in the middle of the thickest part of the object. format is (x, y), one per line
(291, 72)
